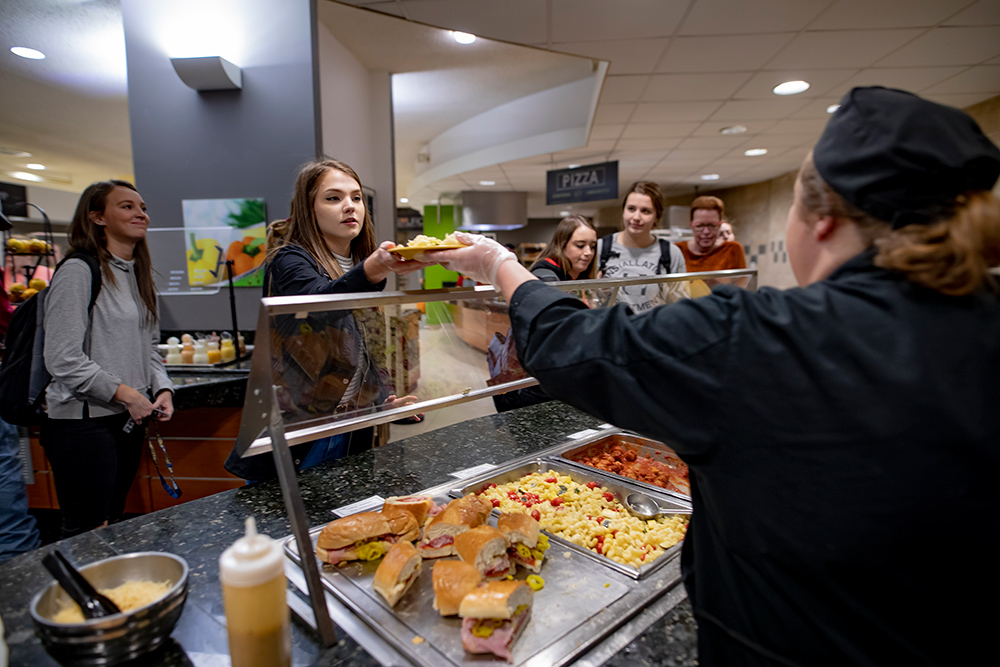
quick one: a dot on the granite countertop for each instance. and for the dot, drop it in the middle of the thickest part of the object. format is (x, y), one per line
(200, 530)
(210, 388)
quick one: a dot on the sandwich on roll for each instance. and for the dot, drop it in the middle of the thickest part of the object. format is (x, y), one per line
(526, 545)
(485, 548)
(397, 572)
(459, 516)
(453, 580)
(418, 506)
(365, 536)
(494, 615)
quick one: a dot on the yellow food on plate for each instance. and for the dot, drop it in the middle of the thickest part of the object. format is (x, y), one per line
(129, 596)
(588, 515)
(422, 241)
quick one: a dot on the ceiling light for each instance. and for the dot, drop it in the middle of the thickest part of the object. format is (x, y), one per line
(564, 213)
(434, 201)
(25, 52)
(710, 177)
(404, 200)
(36, 166)
(463, 37)
(791, 88)
(487, 182)
(25, 176)
(754, 152)
(733, 129)
(832, 108)
(573, 166)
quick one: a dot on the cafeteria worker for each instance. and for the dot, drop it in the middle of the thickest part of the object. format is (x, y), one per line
(843, 437)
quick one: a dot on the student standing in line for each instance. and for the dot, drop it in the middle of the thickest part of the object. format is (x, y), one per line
(705, 252)
(104, 364)
(634, 251)
(726, 233)
(836, 433)
(327, 246)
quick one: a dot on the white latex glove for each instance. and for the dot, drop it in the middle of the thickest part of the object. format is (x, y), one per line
(480, 261)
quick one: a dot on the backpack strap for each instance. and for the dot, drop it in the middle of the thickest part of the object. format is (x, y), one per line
(664, 262)
(606, 243)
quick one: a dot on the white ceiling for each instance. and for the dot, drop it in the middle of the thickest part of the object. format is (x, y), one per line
(680, 71)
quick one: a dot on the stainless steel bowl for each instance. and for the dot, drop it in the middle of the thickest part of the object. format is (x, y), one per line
(114, 639)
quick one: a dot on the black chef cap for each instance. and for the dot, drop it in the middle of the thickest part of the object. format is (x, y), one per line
(903, 159)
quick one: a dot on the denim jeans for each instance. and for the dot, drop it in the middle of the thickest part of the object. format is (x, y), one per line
(326, 449)
(18, 533)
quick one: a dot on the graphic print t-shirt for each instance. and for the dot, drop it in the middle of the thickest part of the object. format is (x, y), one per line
(632, 262)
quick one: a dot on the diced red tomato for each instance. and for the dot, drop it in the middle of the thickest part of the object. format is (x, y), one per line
(551, 480)
(496, 503)
(608, 496)
(556, 502)
(591, 485)
(536, 515)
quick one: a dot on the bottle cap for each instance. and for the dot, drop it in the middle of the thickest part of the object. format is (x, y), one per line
(252, 560)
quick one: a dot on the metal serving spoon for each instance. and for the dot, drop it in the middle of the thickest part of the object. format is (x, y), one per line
(92, 603)
(645, 507)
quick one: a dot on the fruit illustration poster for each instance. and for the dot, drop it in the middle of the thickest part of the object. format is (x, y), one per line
(217, 230)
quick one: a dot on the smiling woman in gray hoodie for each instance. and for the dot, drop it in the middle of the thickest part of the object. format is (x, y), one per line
(104, 364)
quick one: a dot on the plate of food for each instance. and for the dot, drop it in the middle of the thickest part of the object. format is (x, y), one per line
(427, 243)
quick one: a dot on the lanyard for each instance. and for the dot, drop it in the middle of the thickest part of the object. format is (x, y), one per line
(172, 489)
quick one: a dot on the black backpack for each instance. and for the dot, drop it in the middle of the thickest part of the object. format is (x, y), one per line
(23, 377)
(609, 240)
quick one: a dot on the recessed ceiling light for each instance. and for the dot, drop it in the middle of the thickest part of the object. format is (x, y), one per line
(754, 152)
(733, 129)
(564, 213)
(573, 166)
(404, 200)
(710, 177)
(434, 201)
(35, 165)
(25, 176)
(832, 108)
(791, 88)
(463, 37)
(487, 182)
(25, 52)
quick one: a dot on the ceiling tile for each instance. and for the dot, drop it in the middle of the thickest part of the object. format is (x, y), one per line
(712, 128)
(761, 85)
(958, 101)
(606, 131)
(854, 48)
(865, 14)
(693, 87)
(913, 79)
(793, 127)
(983, 79)
(618, 89)
(723, 143)
(384, 6)
(720, 54)
(984, 12)
(948, 46)
(521, 21)
(613, 113)
(657, 130)
(646, 144)
(673, 111)
(743, 111)
(815, 108)
(725, 17)
(574, 20)
(632, 56)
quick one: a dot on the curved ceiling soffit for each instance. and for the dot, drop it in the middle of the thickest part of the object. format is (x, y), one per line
(548, 121)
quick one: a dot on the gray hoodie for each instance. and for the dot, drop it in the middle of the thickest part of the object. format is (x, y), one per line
(88, 363)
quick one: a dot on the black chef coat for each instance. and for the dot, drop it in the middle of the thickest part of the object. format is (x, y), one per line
(844, 447)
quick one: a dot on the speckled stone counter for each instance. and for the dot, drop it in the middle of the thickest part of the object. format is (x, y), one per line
(200, 530)
(217, 389)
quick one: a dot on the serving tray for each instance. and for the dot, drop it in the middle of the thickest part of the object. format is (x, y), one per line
(570, 453)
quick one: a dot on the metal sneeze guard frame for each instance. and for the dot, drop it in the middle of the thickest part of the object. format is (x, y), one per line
(261, 423)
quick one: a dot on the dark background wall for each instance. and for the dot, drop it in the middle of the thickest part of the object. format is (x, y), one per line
(214, 145)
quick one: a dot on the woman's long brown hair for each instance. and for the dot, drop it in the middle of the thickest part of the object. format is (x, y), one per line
(556, 249)
(952, 256)
(88, 237)
(302, 228)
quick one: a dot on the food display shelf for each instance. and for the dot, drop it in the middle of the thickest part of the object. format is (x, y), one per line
(618, 488)
(588, 602)
(572, 452)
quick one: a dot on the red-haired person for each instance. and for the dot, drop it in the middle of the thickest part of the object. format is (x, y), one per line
(704, 252)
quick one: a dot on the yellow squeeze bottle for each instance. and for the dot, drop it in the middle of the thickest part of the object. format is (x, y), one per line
(228, 352)
(253, 591)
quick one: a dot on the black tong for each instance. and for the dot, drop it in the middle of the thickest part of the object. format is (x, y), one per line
(92, 603)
